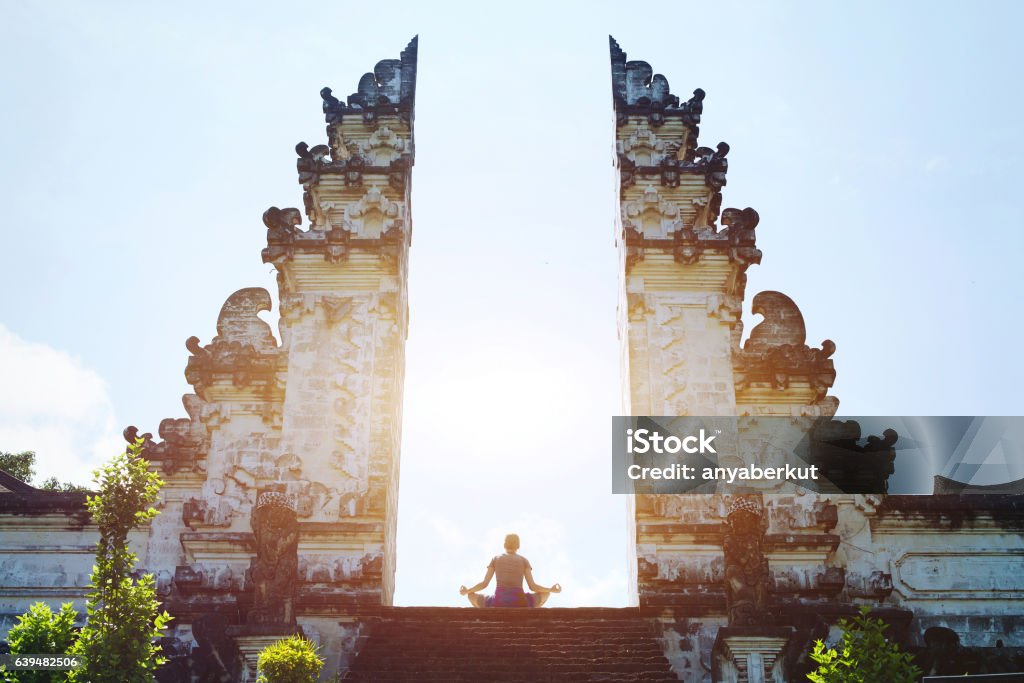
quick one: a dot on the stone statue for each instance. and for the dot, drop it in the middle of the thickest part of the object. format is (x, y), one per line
(746, 567)
(210, 659)
(274, 570)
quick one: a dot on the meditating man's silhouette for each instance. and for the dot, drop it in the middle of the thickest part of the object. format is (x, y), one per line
(511, 568)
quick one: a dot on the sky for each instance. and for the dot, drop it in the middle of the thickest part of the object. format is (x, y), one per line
(140, 144)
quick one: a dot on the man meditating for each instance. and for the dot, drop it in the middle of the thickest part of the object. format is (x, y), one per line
(511, 568)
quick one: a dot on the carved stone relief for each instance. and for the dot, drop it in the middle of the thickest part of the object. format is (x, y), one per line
(747, 575)
(274, 570)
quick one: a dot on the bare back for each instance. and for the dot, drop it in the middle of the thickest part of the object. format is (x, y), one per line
(510, 569)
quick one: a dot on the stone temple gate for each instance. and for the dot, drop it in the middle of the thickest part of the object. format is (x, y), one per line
(279, 512)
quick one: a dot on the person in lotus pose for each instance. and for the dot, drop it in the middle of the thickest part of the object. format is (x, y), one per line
(510, 568)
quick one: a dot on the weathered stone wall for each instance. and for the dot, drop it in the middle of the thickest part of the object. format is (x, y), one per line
(308, 430)
(47, 549)
(735, 597)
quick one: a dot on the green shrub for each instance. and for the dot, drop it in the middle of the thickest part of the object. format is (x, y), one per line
(864, 655)
(117, 643)
(42, 631)
(289, 660)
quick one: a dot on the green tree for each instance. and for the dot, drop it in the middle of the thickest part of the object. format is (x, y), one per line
(864, 654)
(289, 660)
(23, 466)
(54, 484)
(117, 644)
(42, 631)
(19, 465)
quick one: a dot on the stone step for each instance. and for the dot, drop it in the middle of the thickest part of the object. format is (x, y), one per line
(542, 645)
(516, 676)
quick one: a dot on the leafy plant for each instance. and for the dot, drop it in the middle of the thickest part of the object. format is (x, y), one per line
(117, 644)
(42, 631)
(864, 655)
(289, 660)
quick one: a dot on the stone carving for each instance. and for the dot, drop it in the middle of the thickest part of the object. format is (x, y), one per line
(714, 164)
(314, 163)
(693, 107)
(337, 309)
(783, 323)
(740, 233)
(384, 152)
(849, 465)
(708, 209)
(282, 227)
(746, 567)
(336, 223)
(670, 169)
(644, 148)
(184, 440)
(243, 350)
(637, 90)
(643, 84)
(310, 158)
(688, 246)
(374, 215)
(284, 238)
(399, 172)
(776, 353)
(645, 154)
(211, 657)
(651, 216)
(223, 499)
(651, 222)
(240, 323)
(389, 88)
(333, 107)
(627, 172)
(381, 86)
(725, 308)
(383, 146)
(337, 244)
(274, 570)
(353, 168)
(876, 585)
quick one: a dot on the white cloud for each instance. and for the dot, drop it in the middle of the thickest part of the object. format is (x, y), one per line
(53, 405)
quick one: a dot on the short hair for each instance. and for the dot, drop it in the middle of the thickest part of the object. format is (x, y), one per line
(512, 542)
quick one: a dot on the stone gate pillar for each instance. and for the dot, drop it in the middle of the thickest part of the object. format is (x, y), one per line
(344, 318)
(683, 279)
(683, 260)
(310, 426)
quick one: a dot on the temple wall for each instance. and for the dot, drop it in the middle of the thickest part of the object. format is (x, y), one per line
(743, 581)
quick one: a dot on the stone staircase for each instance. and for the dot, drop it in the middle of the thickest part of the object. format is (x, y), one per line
(502, 644)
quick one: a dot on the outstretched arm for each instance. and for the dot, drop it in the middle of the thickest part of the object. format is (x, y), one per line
(536, 587)
(480, 586)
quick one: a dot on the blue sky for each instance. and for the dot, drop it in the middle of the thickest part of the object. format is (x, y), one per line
(139, 146)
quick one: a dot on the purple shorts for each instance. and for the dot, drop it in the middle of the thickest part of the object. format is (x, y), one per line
(510, 597)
